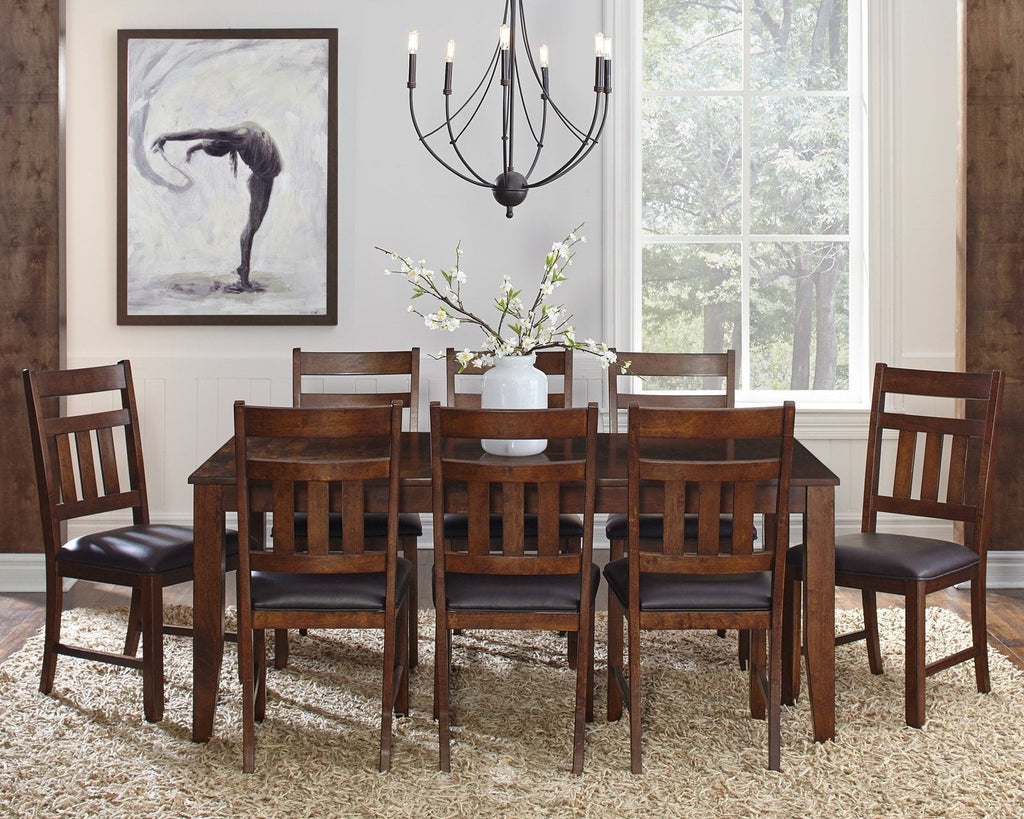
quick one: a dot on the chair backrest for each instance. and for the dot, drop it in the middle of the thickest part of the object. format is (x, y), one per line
(694, 379)
(715, 461)
(89, 461)
(287, 458)
(550, 362)
(944, 461)
(467, 480)
(357, 379)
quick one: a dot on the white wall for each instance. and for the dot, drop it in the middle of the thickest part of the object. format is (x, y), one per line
(391, 193)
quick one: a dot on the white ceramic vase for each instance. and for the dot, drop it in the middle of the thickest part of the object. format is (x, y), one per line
(514, 383)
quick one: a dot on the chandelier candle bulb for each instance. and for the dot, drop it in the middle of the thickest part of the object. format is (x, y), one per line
(449, 52)
(414, 45)
(543, 55)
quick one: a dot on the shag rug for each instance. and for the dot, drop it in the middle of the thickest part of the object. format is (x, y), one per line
(86, 750)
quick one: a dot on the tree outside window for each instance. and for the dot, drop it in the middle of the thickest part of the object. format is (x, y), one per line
(746, 186)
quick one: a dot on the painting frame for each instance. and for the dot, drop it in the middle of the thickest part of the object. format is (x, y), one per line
(227, 176)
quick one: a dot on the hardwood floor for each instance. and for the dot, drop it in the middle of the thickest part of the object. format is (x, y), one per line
(21, 615)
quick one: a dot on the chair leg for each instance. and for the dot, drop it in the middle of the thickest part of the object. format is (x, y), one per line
(743, 650)
(756, 664)
(635, 762)
(280, 648)
(410, 548)
(775, 696)
(54, 608)
(131, 639)
(246, 673)
(979, 633)
(584, 690)
(260, 660)
(614, 692)
(915, 655)
(792, 640)
(152, 649)
(404, 647)
(442, 646)
(590, 669)
(387, 692)
(869, 601)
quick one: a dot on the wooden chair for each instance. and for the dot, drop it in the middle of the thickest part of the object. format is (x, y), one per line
(511, 586)
(327, 585)
(687, 381)
(358, 379)
(717, 460)
(90, 462)
(943, 469)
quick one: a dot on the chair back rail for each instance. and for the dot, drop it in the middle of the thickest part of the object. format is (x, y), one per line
(353, 369)
(713, 376)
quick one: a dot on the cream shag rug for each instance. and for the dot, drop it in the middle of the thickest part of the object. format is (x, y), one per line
(86, 751)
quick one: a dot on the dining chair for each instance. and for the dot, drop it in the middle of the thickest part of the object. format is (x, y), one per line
(462, 389)
(88, 461)
(353, 379)
(483, 585)
(944, 426)
(331, 582)
(716, 460)
(671, 380)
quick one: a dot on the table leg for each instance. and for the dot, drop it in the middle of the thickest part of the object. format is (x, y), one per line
(819, 609)
(208, 607)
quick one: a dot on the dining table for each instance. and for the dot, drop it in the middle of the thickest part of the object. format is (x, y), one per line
(812, 495)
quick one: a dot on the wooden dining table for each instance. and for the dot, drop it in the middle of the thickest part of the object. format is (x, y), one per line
(812, 495)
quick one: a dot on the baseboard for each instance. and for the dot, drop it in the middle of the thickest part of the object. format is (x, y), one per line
(22, 573)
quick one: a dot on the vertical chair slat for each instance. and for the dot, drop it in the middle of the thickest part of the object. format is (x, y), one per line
(708, 516)
(903, 477)
(108, 461)
(743, 517)
(548, 499)
(353, 504)
(318, 504)
(512, 518)
(86, 464)
(674, 519)
(931, 469)
(284, 509)
(956, 484)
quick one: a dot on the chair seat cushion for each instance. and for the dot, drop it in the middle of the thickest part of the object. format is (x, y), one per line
(152, 548)
(681, 592)
(456, 526)
(617, 527)
(904, 557)
(488, 592)
(272, 591)
(375, 524)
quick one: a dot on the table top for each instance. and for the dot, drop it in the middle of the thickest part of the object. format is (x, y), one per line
(612, 451)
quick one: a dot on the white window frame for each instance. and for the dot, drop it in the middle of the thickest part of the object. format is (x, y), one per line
(873, 90)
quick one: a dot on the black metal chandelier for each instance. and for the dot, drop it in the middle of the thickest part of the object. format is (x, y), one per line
(511, 186)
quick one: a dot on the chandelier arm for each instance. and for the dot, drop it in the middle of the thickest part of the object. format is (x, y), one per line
(539, 140)
(454, 142)
(423, 141)
(581, 154)
(574, 129)
(492, 70)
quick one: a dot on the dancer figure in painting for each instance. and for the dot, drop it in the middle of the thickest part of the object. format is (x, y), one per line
(259, 152)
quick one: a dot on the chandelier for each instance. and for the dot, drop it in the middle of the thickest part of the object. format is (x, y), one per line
(503, 71)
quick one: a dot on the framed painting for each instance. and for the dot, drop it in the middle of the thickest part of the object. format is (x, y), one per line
(227, 209)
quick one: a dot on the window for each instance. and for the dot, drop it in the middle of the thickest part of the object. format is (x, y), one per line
(747, 206)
